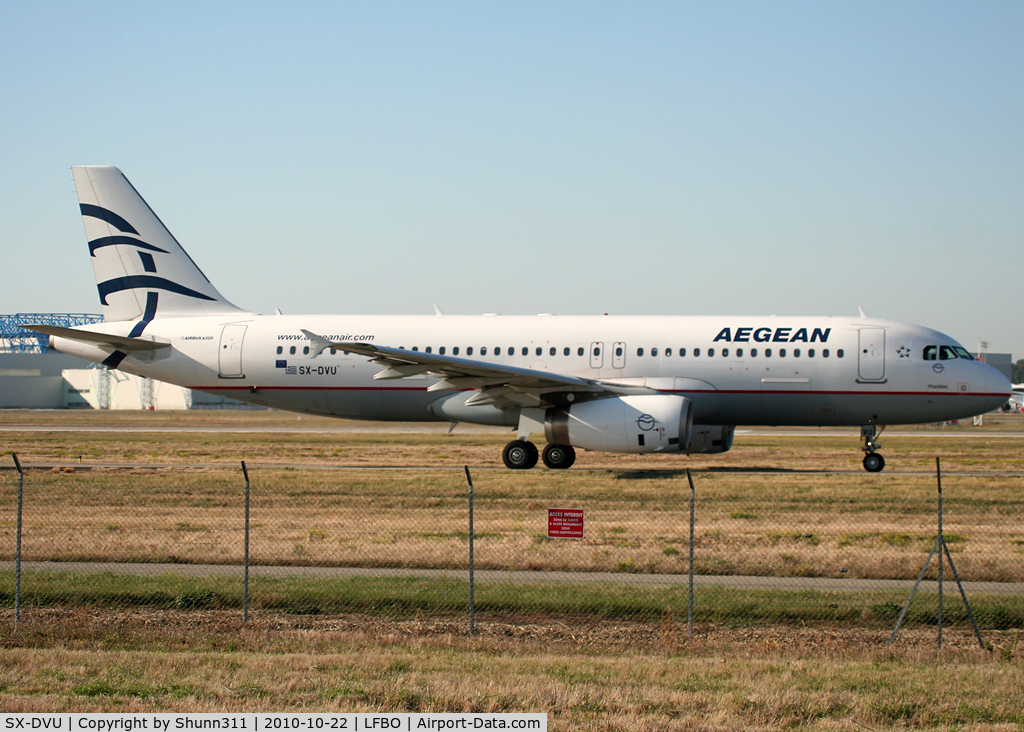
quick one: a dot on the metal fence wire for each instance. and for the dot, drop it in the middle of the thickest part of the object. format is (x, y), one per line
(836, 549)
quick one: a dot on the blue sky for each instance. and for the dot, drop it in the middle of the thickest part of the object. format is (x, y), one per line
(631, 158)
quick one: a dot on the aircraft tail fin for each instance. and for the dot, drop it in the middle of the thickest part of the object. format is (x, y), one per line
(141, 269)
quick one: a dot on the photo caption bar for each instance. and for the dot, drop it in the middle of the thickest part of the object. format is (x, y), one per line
(268, 722)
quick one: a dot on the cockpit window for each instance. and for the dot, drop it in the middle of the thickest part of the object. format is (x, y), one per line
(963, 352)
(946, 353)
(930, 352)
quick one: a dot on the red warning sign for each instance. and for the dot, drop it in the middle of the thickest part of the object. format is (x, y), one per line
(565, 523)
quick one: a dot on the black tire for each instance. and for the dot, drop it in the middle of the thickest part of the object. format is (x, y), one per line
(519, 455)
(873, 462)
(559, 457)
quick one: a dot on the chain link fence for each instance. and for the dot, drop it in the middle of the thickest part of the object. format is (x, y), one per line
(840, 549)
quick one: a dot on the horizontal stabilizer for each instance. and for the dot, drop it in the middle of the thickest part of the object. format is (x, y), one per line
(123, 343)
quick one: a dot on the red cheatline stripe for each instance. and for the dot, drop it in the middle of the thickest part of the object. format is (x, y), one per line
(218, 387)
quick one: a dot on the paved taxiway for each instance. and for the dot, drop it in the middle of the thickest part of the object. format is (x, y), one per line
(824, 584)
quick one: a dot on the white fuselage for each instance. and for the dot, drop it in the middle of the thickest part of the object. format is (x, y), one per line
(736, 370)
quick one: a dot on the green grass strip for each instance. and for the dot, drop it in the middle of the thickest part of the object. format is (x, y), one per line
(405, 596)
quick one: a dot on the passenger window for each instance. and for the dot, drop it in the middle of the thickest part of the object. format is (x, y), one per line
(497, 350)
(639, 352)
(696, 352)
(333, 351)
(455, 351)
(839, 353)
(305, 350)
(682, 352)
(511, 351)
(753, 353)
(292, 350)
(597, 351)
(725, 352)
(579, 351)
(483, 351)
(565, 351)
(739, 353)
(539, 350)
(796, 353)
(429, 349)
(824, 353)
(441, 350)
(469, 350)
(767, 353)
(810, 353)
(946, 353)
(668, 352)
(711, 352)
(782, 353)
(618, 351)
(526, 351)
(552, 351)
(654, 351)
(416, 348)
(280, 349)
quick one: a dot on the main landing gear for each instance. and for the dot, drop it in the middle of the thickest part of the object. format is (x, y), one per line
(873, 461)
(522, 455)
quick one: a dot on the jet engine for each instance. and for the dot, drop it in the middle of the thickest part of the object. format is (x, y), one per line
(711, 438)
(641, 423)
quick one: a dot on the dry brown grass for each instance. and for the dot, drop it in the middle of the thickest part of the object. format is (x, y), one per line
(843, 525)
(585, 676)
(962, 447)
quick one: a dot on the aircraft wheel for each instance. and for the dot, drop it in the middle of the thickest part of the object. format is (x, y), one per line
(873, 462)
(559, 457)
(519, 455)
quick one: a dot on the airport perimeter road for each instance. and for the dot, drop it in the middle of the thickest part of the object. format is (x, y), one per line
(822, 584)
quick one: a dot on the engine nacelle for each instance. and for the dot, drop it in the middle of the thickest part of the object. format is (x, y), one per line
(711, 438)
(642, 423)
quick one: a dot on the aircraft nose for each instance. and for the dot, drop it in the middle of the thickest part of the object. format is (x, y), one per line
(997, 385)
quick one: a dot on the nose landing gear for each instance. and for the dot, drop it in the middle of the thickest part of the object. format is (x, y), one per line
(873, 461)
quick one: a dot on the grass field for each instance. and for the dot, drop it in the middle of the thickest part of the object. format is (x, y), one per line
(596, 658)
(625, 676)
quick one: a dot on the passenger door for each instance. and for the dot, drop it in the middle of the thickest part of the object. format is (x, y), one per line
(229, 352)
(871, 354)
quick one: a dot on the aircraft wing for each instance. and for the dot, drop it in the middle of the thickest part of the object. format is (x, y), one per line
(497, 384)
(122, 343)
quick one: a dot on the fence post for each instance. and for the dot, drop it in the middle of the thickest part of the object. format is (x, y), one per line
(245, 604)
(472, 597)
(940, 537)
(17, 551)
(689, 614)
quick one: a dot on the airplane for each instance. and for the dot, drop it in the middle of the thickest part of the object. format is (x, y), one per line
(621, 384)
